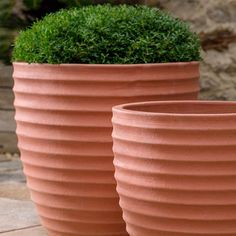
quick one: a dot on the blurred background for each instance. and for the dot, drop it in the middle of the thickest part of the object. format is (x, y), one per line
(213, 20)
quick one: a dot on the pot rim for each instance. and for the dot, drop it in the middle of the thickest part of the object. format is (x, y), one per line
(126, 109)
(109, 65)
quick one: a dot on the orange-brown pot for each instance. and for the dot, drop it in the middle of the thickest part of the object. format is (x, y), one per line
(63, 115)
(175, 166)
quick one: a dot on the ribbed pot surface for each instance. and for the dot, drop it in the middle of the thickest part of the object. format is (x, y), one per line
(175, 166)
(63, 115)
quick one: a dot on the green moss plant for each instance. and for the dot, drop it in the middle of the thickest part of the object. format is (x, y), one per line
(105, 34)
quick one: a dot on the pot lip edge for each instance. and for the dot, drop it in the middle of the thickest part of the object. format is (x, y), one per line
(122, 109)
(196, 63)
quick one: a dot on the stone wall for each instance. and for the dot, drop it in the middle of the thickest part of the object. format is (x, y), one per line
(215, 21)
(7, 123)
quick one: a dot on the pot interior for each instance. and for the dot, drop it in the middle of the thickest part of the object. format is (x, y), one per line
(183, 107)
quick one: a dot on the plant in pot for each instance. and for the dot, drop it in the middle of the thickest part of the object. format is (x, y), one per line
(69, 70)
(175, 167)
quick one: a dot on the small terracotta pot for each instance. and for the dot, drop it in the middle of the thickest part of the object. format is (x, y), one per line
(63, 115)
(175, 166)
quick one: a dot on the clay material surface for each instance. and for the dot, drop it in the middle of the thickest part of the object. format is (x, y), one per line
(175, 167)
(63, 115)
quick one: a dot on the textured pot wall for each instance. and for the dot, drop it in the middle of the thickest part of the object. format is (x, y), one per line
(215, 21)
(176, 173)
(63, 116)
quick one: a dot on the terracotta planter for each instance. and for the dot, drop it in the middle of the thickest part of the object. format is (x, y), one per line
(63, 115)
(175, 166)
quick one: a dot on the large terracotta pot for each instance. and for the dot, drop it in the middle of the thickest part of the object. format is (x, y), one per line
(63, 115)
(175, 166)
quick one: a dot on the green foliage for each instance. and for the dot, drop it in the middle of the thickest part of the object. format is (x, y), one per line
(6, 35)
(74, 3)
(106, 34)
(32, 4)
(18, 14)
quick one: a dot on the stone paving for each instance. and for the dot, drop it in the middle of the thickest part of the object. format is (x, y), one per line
(17, 213)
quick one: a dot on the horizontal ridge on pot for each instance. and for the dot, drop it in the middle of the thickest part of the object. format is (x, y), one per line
(175, 167)
(63, 115)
